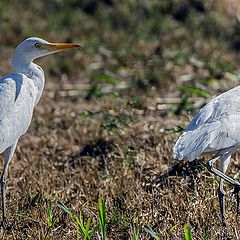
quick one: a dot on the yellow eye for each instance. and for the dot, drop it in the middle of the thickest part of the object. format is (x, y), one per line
(37, 45)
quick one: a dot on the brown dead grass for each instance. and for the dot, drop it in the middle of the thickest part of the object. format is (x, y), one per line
(50, 166)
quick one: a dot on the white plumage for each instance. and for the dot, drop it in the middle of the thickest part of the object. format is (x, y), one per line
(17, 100)
(215, 128)
(19, 94)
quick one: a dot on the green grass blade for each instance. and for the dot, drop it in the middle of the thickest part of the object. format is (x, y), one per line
(88, 224)
(187, 232)
(50, 219)
(86, 234)
(64, 207)
(49, 215)
(102, 217)
(135, 232)
(151, 232)
(196, 91)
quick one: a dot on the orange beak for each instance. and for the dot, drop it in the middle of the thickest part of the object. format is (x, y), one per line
(60, 46)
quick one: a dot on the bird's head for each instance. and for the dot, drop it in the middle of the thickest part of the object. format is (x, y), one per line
(33, 48)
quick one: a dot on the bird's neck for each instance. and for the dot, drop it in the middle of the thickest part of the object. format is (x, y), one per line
(32, 71)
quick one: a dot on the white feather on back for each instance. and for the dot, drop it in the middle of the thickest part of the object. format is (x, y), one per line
(215, 127)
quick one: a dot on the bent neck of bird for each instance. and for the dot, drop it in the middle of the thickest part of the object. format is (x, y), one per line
(22, 64)
(32, 71)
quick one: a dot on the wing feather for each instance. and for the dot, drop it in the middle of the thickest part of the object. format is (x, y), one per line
(215, 127)
(17, 100)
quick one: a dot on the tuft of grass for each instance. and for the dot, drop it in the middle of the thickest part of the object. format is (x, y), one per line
(111, 122)
(87, 230)
(135, 230)
(84, 230)
(135, 102)
(50, 220)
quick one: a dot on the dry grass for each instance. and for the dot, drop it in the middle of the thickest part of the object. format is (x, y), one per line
(127, 168)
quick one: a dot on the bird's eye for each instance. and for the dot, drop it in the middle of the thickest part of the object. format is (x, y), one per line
(37, 45)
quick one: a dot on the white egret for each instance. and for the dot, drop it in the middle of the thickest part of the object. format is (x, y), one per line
(215, 129)
(19, 94)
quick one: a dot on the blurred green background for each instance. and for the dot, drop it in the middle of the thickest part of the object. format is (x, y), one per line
(141, 46)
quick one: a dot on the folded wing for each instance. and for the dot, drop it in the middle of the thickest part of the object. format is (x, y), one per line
(17, 100)
(216, 126)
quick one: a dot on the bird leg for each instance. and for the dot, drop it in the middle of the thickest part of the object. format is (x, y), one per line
(224, 162)
(223, 165)
(3, 192)
(7, 158)
(235, 193)
(221, 198)
(219, 173)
